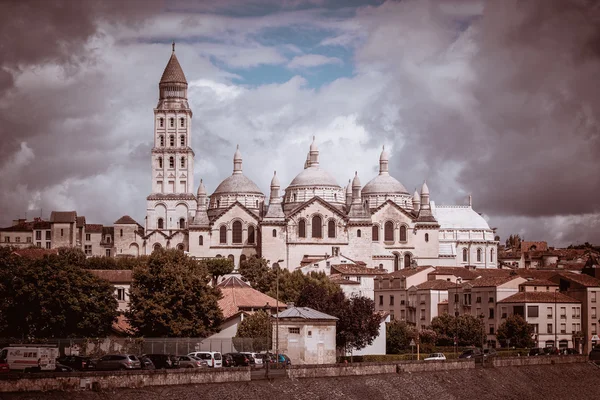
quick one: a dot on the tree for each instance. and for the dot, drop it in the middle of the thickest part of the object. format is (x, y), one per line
(112, 263)
(170, 297)
(516, 330)
(72, 256)
(398, 336)
(467, 328)
(53, 298)
(514, 242)
(257, 272)
(217, 267)
(358, 324)
(254, 333)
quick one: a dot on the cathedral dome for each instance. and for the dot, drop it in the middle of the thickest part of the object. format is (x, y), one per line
(313, 176)
(383, 184)
(239, 184)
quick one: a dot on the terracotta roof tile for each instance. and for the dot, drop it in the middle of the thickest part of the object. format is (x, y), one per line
(126, 220)
(22, 227)
(114, 275)
(460, 272)
(122, 326)
(539, 297)
(93, 228)
(173, 71)
(436, 284)
(340, 280)
(406, 272)
(80, 222)
(490, 281)
(540, 246)
(238, 295)
(539, 282)
(35, 253)
(354, 269)
(582, 279)
(63, 216)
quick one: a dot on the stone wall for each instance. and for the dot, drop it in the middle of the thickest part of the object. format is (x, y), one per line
(117, 379)
(539, 360)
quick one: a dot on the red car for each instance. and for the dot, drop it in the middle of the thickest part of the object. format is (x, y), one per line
(4, 366)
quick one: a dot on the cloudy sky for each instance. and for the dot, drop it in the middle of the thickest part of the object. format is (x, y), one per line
(498, 99)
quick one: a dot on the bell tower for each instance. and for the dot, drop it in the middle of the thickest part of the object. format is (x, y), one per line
(172, 201)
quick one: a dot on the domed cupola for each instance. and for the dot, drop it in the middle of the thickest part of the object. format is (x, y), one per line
(385, 187)
(312, 182)
(237, 187)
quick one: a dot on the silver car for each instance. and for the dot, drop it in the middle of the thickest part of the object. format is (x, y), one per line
(118, 362)
(191, 362)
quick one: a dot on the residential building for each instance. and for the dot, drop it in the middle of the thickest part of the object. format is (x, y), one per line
(305, 335)
(363, 276)
(425, 299)
(378, 347)
(121, 280)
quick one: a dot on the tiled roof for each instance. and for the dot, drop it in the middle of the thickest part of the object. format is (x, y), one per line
(108, 230)
(238, 294)
(304, 313)
(80, 222)
(539, 282)
(126, 220)
(93, 228)
(122, 326)
(535, 273)
(41, 225)
(63, 216)
(456, 271)
(539, 297)
(114, 275)
(173, 71)
(490, 281)
(354, 269)
(486, 272)
(436, 284)
(35, 253)
(570, 266)
(22, 227)
(340, 280)
(582, 279)
(539, 246)
(406, 272)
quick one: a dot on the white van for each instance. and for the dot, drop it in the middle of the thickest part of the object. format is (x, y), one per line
(22, 357)
(213, 358)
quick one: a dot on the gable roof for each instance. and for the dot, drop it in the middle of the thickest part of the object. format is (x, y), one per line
(237, 295)
(304, 313)
(581, 279)
(396, 206)
(126, 220)
(539, 297)
(340, 280)
(80, 221)
(35, 253)
(354, 269)
(539, 246)
(436, 284)
(63, 216)
(114, 275)
(406, 272)
(225, 210)
(538, 282)
(315, 199)
(22, 227)
(93, 228)
(490, 281)
(460, 272)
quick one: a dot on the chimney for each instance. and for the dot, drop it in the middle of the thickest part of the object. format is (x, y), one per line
(290, 305)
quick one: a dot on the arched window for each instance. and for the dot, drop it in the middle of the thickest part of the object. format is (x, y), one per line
(218, 256)
(232, 258)
(182, 140)
(223, 234)
(403, 233)
(242, 259)
(317, 227)
(237, 232)
(201, 240)
(331, 229)
(492, 255)
(251, 235)
(161, 138)
(427, 237)
(388, 231)
(478, 255)
(302, 228)
(274, 232)
(171, 162)
(182, 122)
(464, 255)
(396, 261)
(160, 223)
(161, 122)
(375, 233)
(156, 247)
(160, 162)
(172, 140)
(172, 122)
(181, 223)
(407, 260)
(358, 233)
(182, 162)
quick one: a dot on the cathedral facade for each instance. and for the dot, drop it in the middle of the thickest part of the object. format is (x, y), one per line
(312, 218)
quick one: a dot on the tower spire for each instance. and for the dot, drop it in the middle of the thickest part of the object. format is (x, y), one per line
(173, 46)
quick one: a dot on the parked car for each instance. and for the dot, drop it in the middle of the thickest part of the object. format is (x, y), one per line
(536, 351)
(203, 363)
(595, 354)
(213, 358)
(164, 361)
(4, 367)
(239, 359)
(62, 368)
(146, 363)
(227, 360)
(78, 363)
(489, 353)
(190, 362)
(436, 357)
(551, 351)
(280, 359)
(255, 358)
(570, 351)
(471, 353)
(118, 361)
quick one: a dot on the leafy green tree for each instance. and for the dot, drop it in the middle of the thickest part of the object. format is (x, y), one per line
(517, 330)
(467, 328)
(170, 297)
(217, 267)
(514, 242)
(53, 297)
(358, 324)
(101, 263)
(398, 336)
(72, 256)
(254, 333)
(256, 271)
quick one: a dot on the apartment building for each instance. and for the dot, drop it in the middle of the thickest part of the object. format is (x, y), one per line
(424, 301)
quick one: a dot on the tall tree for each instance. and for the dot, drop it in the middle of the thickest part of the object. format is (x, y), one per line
(257, 272)
(467, 328)
(170, 297)
(254, 333)
(398, 336)
(514, 242)
(516, 330)
(53, 297)
(217, 267)
(358, 324)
